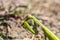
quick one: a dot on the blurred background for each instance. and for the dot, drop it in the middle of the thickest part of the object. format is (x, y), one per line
(47, 11)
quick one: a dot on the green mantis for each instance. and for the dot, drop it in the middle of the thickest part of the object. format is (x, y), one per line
(49, 34)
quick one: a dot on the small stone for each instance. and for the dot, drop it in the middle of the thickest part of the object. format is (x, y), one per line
(13, 34)
(27, 39)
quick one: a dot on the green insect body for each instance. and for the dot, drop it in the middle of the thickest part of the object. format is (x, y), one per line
(44, 28)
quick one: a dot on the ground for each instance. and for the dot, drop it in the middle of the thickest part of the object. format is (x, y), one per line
(47, 11)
